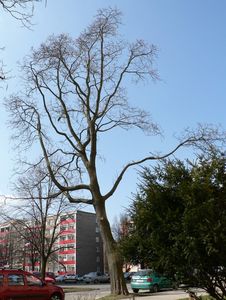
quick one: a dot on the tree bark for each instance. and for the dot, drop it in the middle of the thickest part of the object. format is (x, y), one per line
(118, 285)
(43, 267)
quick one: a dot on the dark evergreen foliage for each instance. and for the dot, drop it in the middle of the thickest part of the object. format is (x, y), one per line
(179, 217)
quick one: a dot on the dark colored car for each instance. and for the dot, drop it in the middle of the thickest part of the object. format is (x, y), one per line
(18, 284)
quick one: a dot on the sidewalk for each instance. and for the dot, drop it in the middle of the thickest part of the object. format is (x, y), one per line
(164, 295)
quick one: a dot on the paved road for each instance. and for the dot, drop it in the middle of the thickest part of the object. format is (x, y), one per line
(102, 290)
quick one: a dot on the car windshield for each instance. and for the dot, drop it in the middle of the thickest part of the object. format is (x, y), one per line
(143, 273)
(92, 274)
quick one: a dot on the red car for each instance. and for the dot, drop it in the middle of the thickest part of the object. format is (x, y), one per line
(49, 278)
(18, 284)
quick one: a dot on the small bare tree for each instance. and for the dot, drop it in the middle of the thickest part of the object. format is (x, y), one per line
(10, 247)
(74, 94)
(121, 227)
(32, 214)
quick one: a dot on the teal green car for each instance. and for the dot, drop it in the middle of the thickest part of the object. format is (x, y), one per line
(147, 279)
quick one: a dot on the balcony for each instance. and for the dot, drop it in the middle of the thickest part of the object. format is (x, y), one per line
(66, 231)
(68, 221)
(67, 242)
(68, 251)
(67, 262)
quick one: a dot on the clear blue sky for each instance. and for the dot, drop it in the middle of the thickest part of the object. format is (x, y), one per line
(191, 38)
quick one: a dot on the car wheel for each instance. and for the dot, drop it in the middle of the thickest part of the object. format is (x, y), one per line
(55, 297)
(155, 288)
(135, 290)
(96, 281)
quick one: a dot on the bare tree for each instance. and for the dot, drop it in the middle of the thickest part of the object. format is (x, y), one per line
(2, 71)
(10, 249)
(33, 214)
(74, 94)
(21, 10)
(121, 227)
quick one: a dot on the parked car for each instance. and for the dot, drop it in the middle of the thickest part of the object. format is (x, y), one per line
(80, 278)
(147, 279)
(50, 274)
(71, 278)
(18, 284)
(47, 279)
(96, 277)
(60, 278)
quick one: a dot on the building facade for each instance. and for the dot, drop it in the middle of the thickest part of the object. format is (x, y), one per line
(79, 247)
(80, 243)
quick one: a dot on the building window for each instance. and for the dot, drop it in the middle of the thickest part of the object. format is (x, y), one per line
(50, 222)
(98, 259)
(97, 239)
(97, 249)
(63, 248)
(62, 228)
(70, 268)
(70, 257)
(71, 216)
(62, 258)
(71, 236)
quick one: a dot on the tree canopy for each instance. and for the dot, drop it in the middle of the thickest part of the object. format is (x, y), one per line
(179, 221)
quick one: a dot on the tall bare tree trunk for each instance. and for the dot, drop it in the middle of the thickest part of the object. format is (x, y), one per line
(43, 267)
(118, 285)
